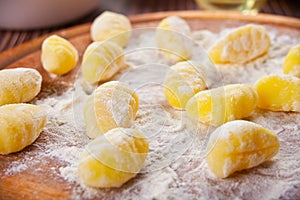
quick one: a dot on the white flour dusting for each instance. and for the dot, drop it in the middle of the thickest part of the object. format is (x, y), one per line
(175, 168)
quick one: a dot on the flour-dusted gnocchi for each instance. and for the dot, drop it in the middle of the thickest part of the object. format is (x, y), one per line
(173, 38)
(183, 81)
(111, 26)
(239, 145)
(115, 105)
(101, 61)
(114, 158)
(59, 56)
(20, 126)
(278, 93)
(223, 104)
(19, 85)
(241, 45)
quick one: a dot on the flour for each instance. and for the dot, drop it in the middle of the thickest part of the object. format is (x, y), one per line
(175, 167)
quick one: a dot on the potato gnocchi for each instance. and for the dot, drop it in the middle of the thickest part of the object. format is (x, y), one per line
(173, 38)
(19, 85)
(59, 56)
(101, 61)
(242, 45)
(291, 64)
(115, 105)
(111, 26)
(278, 93)
(20, 126)
(114, 158)
(183, 81)
(239, 145)
(223, 104)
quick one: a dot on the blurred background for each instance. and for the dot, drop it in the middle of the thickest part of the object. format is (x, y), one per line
(13, 31)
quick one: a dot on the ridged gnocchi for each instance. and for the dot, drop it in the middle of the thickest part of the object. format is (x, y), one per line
(278, 93)
(20, 126)
(183, 81)
(173, 38)
(242, 45)
(19, 85)
(58, 55)
(101, 61)
(114, 158)
(115, 105)
(111, 26)
(291, 64)
(239, 145)
(223, 104)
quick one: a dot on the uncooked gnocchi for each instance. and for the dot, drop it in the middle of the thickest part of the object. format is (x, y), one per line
(183, 81)
(101, 61)
(278, 93)
(242, 45)
(223, 104)
(19, 85)
(59, 56)
(173, 38)
(111, 26)
(239, 145)
(291, 64)
(115, 105)
(114, 158)
(20, 126)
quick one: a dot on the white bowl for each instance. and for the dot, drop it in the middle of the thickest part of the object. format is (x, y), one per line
(31, 14)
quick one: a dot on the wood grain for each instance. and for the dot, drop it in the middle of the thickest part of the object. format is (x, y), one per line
(31, 184)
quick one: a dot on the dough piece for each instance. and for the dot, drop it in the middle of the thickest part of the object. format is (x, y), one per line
(20, 126)
(19, 85)
(239, 145)
(114, 158)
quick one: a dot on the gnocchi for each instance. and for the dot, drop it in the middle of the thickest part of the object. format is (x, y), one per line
(223, 104)
(101, 61)
(239, 145)
(291, 64)
(173, 38)
(114, 158)
(115, 105)
(59, 56)
(278, 93)
(242, 45)
(111, 26)
(20, 126)
(19, 85)
(183, 81)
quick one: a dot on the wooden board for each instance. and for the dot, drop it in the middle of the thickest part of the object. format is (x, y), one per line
(31, 184)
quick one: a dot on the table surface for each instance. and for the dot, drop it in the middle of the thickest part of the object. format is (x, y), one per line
(12, 38)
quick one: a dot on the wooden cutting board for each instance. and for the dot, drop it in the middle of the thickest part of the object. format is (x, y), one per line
(42, 184)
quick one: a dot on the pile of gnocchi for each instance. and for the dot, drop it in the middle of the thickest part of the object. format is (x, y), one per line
(117, 152)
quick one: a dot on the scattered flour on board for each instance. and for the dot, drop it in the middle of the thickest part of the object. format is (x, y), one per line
(175, 168)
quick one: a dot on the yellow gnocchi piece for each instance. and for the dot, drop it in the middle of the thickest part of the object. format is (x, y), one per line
(111, 26)
(239, 145)
(278, 93)
(59, 56)
(242, 45)
(114, 158)
(183, 81)
(173, 38)
(223, 104)
(115, 105)
(101, 61)
(19, 85)
(20, 126)
(291, 64)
